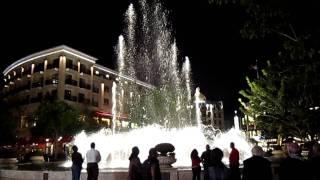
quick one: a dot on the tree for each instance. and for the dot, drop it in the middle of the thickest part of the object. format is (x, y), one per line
(55, 119)
(285, 98)
(8, 125)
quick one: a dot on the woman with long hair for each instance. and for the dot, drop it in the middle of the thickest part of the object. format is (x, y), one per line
(196, 168)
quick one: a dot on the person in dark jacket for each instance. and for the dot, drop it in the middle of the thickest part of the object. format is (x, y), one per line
(315, 162)
(77, 161)
(293, 167)
(217, 170)
(135, 165)
(151, 167)
(257, 167)
(205, 159)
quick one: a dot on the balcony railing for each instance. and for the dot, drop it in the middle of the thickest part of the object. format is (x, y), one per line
(51, 81)
(52, 66)
(73, 67)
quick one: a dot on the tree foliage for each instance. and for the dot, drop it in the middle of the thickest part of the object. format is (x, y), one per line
(284, 98)
(55, 119)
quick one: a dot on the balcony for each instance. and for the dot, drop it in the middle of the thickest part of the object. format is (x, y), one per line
(95, 103)
(71, 82)
(85, 71)
(95, 89)
(84, 85)
(70, 98)
(73, 67)
(51, 81)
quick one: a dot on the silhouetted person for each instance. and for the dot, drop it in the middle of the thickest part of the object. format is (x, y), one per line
(151, 166)
(315, 162)
(293, 167)
(93, 158)
(196, 168)
(257, 167)
(234, 163)
(77, 161)
(205, 159)
(135, 165)
(217, 170)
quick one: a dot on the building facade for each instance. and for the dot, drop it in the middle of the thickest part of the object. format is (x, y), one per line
(65, 74)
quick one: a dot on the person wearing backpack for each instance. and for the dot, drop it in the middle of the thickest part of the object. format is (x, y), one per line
(151, 167)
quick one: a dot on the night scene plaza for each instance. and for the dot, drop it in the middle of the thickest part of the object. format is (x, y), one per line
(210, 90)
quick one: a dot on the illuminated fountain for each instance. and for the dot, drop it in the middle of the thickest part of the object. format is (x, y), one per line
(163, 113)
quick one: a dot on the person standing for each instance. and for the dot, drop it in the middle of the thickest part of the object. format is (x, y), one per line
(93, 158)
(257, 167)
(234, 163)
(315, 162)
(293, 167)
(217, 170)
(205, 159)
(77, 161)
(151, 167)
(135, 165)
(196, 168)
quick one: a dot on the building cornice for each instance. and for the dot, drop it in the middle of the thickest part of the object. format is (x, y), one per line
(47, 52)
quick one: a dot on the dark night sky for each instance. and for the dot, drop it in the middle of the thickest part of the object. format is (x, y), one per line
(209, 35)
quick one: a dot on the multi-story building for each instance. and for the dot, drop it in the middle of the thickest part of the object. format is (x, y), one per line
(65, 74)
(212, 112)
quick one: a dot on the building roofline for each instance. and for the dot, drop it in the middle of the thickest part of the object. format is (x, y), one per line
(98, 66)
(54, 50)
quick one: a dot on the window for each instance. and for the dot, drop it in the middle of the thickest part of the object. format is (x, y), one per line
(69, 63)
(106, 101)
(81, 97)
(106, 89)
(56, 63)
(67, 94)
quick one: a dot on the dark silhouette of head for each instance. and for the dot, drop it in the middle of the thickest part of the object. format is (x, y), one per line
(257, 151)
(293, 148)
(232, 145)
(74, 148)
(153, 153)
(134, 153)
(208, 147)
(92, 145)
(216, 155)
(194, 153)
(316, 149)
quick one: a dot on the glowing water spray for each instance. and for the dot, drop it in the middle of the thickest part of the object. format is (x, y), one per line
(154, 60)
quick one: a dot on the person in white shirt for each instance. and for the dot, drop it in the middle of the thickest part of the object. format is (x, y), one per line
(93, 158)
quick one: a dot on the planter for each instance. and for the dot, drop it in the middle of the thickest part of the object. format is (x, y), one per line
(8, 160)
(166, 161)
(37, 159)
(167, 156)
